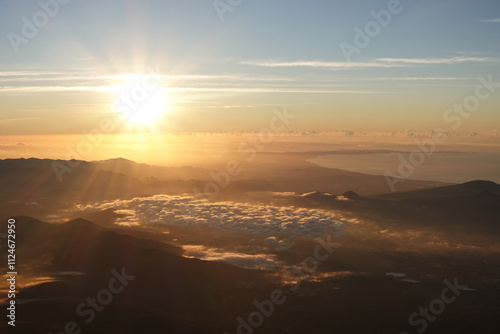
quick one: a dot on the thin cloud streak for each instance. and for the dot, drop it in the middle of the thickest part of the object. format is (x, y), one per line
(68, 76)
(377, 63)
(344, 79)
(322, 64)
(45, 89)
(260, 90)
(438, 61)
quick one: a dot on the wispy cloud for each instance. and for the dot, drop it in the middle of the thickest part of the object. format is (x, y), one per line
(27, 73)
(248, 90)
(22, 75)
(47, 89)
(276, 90)
(320, 64)
(376, 63)
(437, 61)
(491, 21)
(407, 79)
(247, 261)
(85, 80)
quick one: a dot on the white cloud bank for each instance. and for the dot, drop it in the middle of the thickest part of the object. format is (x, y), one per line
(268, 228)
(238, 218)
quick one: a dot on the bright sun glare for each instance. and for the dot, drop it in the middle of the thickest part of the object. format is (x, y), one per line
(140, 100)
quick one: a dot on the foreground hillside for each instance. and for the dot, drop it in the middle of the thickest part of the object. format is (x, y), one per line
(369, 285)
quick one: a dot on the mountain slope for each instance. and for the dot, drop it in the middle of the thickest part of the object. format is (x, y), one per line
(178, 292)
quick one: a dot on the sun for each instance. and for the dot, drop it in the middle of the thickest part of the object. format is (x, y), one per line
(141, 100)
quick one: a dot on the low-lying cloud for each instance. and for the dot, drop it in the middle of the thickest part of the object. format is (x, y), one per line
(252, 235)
(238, 218)
(247, 261)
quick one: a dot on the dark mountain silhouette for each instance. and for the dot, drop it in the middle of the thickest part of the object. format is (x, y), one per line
(351, 195)
(62, 265)
(32, 187)
(474, 206)
(177, 292)
(32, 179)
(465, 189)
(172, 294)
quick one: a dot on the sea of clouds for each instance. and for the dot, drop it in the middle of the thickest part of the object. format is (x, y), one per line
(273, 226)
(241, 218)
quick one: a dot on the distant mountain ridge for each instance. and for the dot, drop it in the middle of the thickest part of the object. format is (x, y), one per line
(473, 205)
(28, 180)
(144, 171)
(470, 188)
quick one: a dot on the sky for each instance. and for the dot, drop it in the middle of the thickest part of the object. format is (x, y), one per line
(209, 66)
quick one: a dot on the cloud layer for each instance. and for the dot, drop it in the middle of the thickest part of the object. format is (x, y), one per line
(267, 229)
(238, 218)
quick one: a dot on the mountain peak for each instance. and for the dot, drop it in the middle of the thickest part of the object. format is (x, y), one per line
(119, 159)
(350, 195)
(80, 224)
(481, 184)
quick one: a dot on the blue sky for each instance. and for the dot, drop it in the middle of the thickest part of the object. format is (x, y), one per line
(262, 55)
